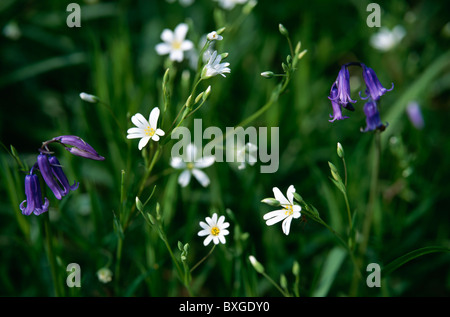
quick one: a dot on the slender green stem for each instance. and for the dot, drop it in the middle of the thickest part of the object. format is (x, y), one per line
(348, 213)
(275, 284)
(118, 261)
(203, 259)
(51, 255)
(372, 196)
(370, 210)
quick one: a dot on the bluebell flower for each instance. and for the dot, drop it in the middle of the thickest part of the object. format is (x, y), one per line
(342, 84)
(374, 89)
(77, 146)
(34, 203)
(52, 174)
(337, 109)
(373, 121)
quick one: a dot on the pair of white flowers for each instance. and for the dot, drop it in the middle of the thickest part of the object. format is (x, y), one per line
(215, 227)
(175, 45)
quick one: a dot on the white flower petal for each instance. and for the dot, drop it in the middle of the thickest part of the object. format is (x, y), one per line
(186, 45)
(135, 135)
(214, 219)
(143, 142)
(275, 219)
(167, 36)
(274, 213)
(222, 239)
(220, 221)
(184, 178)
(204, 232)
(224, 231)
(155, 137)
(286, 225)
(207, 240)
(204, 162)
(176, 55)
(160, 132)
(153, 118)
(135, 131)
(202, 178)
(296, 208)
(290, 194)
(191, 152)
(177, 162)
(163, 48)
(180, 32)
(280, 197)
(139, 121)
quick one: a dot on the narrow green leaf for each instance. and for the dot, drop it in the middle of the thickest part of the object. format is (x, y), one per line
(329, 272)
(410, 256)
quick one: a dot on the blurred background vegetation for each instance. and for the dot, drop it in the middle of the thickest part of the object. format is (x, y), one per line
(44, 65)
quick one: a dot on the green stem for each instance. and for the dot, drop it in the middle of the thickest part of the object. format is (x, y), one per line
(275, 284)
(203, 259)
(370, 210)
(118, 261)
(51, 255)
(373, 194)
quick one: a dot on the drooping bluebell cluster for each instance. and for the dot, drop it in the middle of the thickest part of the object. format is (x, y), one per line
(52, 173)
(340, 96)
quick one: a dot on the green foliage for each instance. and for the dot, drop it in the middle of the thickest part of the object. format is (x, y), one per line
(130, 215)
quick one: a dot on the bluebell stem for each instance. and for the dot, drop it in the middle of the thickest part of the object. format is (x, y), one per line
(77, 146)
(374, 89)
(34, 196)
(373, 121)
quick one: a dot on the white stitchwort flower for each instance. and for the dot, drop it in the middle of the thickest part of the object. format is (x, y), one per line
(104, 275)
(385, 39)
(288, 212)
(145, 130)
(174, 43)
(214, 229)
(213, 36)
(213, 67)
(230, 4)
(191, 165)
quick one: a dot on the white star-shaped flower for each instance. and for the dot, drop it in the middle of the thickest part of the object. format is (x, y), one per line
(191, 164)
(289, 211)
(214, 229)
(174, 43)
(145, 130)
(213, 67)
(213, 36)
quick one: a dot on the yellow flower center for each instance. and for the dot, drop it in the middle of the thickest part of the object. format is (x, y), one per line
(176, 45)
(289, 210)
(215, 231)
(149, 131)
(190, 166)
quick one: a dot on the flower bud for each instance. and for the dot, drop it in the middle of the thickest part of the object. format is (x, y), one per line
(271, 202)
(267, 74)
(283, 30)
(256, 265)
(89, 98)
(340, 150)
